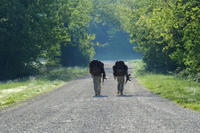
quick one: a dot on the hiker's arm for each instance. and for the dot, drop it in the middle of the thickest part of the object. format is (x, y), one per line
(114, 74)
(90, 68)
(104, 74)
(128, 76)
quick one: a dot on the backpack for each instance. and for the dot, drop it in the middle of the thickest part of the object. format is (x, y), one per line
(120, 69)
(95, 67)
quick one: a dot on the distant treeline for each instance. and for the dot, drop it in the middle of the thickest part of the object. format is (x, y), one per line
(114, 43)
(32, 32)
(166, 31)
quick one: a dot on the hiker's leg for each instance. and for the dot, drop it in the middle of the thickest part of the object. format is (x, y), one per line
(99, 85)
(121, 89)
(95, 82)
(121, 84)
(118, 85)
(123, 79)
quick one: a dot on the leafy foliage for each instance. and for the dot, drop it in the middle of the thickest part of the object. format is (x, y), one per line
(167, 32)
(56, 31)
(79, 51)
(34, 30)
(112, 42)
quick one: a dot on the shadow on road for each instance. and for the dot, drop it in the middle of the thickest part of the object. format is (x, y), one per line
(125, 95)
(101, 96)
(140, 94)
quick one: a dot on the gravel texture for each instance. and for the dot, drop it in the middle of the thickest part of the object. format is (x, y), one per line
(74, 109)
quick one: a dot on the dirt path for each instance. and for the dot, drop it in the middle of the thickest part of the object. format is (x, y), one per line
(73, 109)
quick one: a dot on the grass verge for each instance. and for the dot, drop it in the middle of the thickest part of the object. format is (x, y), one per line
(19, 90)
(183, 92)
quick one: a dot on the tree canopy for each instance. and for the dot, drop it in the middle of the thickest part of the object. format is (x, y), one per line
(56, 32)
(167, 32)
(34, 30)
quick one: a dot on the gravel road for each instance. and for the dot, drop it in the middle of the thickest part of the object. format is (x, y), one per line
(74, 109)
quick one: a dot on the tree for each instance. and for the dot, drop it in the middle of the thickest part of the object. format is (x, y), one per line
(29, 31)
(79, 50)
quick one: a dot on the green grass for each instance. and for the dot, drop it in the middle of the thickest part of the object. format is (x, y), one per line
(183, 92)
(19, 90)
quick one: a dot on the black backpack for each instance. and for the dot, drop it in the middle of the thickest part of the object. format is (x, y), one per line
(120, 69)
(95, 67)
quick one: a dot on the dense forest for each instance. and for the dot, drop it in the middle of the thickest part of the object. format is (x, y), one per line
(33, 32)
(58, 32)
(167, 32)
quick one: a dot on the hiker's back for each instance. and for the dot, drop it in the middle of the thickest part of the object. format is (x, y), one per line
(97, 71)
(120, 69)
(95, 67)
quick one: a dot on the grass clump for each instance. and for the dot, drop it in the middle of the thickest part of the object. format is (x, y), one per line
(181, 91)
(18, 90)
(138, 67)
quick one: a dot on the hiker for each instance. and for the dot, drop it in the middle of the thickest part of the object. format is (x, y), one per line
(97, 71)
(120, 70)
